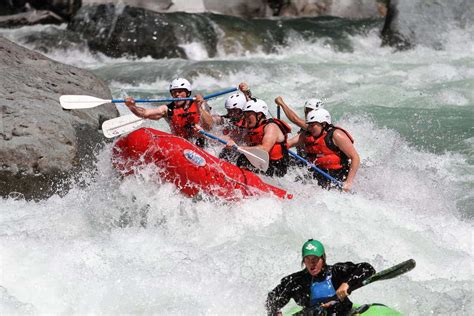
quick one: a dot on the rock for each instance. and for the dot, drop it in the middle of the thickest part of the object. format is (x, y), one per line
(426, 23)
(63, 8)
(391, 36)
(256, 8)
(127, 31)
(354, 9)
(155, 5)
(30, 18)
(244, 8)
(40, 143)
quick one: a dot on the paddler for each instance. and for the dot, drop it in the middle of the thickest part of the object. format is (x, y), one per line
(320, 288)
(232, 123)
(267, 134)
(309, 105)
(329, 147)
(182, 116)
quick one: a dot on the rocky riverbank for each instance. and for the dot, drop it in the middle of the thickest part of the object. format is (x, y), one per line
(41, 144)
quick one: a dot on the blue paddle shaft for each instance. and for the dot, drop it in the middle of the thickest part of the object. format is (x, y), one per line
(339, 183)
(209, 96)
(213, 137)
(213, 95)
(154, 101)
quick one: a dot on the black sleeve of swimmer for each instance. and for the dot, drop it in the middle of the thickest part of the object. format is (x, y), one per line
(352, 274)
(281, 295)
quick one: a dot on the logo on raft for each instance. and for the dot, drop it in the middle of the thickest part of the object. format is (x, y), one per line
(194, 158)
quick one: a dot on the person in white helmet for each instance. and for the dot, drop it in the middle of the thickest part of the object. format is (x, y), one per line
(182, 116)
(232, 122)
(234, 106)
(267, 134)
(329, 147)
(309, 105)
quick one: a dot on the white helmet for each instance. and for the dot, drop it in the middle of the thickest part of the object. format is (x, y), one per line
(257, 106)
(181, 83)
(235, 101)
(319, 116)
(314, 104)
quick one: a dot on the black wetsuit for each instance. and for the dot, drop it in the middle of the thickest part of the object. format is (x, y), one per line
(297, 286)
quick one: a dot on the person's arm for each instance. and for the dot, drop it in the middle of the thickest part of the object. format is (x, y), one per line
(348, 276)
(272, 133)
(342, 141)
(206, 117)
(152, 114)
(290, 113)
(244, 87)
(295, 140)
(280, 296)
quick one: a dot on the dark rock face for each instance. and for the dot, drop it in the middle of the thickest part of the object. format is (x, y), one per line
(391, 35)
(30, 18)
(121, 31)
(424, 22)
(133, 32)
(244, 8)
(40, 143)
(63, 8)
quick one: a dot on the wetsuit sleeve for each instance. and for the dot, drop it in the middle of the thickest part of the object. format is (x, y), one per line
(352, 274)
(281, 295)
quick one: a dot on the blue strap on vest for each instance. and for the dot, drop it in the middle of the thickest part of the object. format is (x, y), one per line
(322, 291)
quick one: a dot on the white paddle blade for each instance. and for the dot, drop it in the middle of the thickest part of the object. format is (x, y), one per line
(121, 125)
(258, 157)
(73, 102)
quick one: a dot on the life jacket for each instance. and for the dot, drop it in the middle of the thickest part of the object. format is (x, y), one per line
(254, 137)
(183, 119)
(322, 292)
(323, 152)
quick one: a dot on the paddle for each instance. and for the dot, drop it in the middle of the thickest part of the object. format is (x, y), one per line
(74, 102)
(386, 274)
(127, 123)
(309, 164)
(391, 273)
(121, 125)
(257, 157)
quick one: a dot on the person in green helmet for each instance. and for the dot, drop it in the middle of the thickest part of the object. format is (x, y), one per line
(320, 288)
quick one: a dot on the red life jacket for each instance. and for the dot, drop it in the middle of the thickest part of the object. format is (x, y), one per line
(183, 119)
(254, 137)
(323, 152)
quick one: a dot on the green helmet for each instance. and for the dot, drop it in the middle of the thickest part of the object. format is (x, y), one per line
(312, 248)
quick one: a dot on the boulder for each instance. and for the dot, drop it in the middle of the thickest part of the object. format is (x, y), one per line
(63, 8)
(427, 23)
(40, 143)
(30, 18)
(128, 31)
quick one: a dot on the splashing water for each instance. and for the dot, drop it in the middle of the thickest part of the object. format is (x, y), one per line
(138, 246)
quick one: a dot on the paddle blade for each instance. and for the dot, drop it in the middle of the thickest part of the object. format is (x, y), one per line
(392, 272)
(121, 125)
(73, 102)
(257, 157)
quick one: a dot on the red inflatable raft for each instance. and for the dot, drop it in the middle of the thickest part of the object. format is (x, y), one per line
(189, 167)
